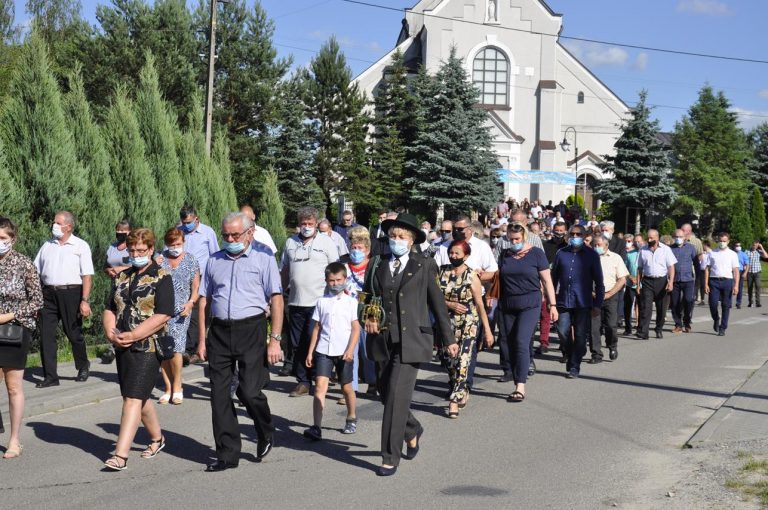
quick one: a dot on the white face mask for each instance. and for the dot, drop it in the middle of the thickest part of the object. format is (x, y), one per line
(608, 235)
(723, 245)
(5, 247)
(57, 232)
(174, 252)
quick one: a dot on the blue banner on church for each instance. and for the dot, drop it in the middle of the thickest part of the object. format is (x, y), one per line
(535, 177)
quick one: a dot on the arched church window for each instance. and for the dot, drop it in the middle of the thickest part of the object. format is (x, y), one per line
(490, 74)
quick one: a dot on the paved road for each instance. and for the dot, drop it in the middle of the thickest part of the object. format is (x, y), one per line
(613, 438)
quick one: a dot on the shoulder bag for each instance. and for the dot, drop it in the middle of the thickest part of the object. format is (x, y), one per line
(11, 334)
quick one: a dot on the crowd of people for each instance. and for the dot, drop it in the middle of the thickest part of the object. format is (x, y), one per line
(354, 305)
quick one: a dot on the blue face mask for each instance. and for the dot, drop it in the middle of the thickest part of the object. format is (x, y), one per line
(398, 247)
(600, 250)
(337, 289)
(576, 242)
(138, 261)
(517, 246)
(356, 256)
(233, 248)
(188, 228)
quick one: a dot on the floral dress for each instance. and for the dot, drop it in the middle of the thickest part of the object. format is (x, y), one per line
(20, 294)
(459, 288)
(183, 276)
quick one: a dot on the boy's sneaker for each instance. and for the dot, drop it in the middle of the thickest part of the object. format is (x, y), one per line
(314, 433)
(350, 427)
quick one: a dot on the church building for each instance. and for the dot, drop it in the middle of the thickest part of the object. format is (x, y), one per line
(537, 94)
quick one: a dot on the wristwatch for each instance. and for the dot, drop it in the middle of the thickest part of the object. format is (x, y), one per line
(276, 337)
(86, 300)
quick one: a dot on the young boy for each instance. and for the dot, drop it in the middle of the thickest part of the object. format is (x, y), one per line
(333, 344)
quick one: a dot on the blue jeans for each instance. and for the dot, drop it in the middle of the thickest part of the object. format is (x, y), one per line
(720, 291)
(574, 342)
(683, 296)
(741, 291)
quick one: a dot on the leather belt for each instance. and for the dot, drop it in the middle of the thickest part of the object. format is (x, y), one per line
(62, 287)
(232, 322)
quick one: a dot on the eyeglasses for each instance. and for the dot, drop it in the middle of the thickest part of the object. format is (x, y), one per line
(233, 235)
(577, 234)
(135, 251)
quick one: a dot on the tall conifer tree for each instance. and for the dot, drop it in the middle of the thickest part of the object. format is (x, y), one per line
(190, 147)
(757, 214)
(271, 210)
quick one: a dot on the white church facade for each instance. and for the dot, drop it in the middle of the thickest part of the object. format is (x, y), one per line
(536, 92)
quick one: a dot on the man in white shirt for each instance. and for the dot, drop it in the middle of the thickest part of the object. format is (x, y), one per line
(536, 209)
(656, 273)
(260, 234)
(721, 281)
(325, 229)
(614, 277)
(66, 271)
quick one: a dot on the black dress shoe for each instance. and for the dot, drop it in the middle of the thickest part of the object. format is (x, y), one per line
(46, 383)
(716, 326)
(386, 471)
(506, 378)
(595, 360)
(83, 373)
(613, 354)
(659, 334)
(532, 369)
(542, 349)
(219, 465)
(263, 449)
(411, 452)
(628, 332)
(641, 336)
(721, 332)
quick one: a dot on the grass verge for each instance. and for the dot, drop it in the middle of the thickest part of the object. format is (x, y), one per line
(752, 480)
(64, 354)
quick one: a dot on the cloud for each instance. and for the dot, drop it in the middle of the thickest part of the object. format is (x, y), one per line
(750, 119)
(641, 62)
(763, 93)
(596, 55)
(706, 7)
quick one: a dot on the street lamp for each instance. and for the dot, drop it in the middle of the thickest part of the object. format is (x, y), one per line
(566, 146)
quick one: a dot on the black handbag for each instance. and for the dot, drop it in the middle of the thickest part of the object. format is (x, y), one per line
(11, 334)
(164, 347)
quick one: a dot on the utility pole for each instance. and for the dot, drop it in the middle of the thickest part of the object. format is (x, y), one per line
(209, 91)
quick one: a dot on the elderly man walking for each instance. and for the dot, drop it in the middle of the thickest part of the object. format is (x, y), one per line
(240, 284)
(656, 273)
(614, 278)
(66, 271)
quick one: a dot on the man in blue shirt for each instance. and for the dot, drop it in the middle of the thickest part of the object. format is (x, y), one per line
(241, 284)
(347, 224)
(683, 289)
(578, 279)
(743, 269)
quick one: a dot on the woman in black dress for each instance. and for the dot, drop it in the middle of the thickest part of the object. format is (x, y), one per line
(136, 313)
(21, 298)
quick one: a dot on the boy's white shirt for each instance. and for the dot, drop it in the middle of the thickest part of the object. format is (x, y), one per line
(335, 314)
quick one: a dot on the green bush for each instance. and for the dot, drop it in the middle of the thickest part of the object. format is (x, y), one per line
(667, 227)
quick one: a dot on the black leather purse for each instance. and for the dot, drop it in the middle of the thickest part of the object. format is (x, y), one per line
(11, 334)
(164, 347)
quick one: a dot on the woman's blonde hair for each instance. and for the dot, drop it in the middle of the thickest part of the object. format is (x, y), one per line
(141, 236)
(359, 235)
(518, 228)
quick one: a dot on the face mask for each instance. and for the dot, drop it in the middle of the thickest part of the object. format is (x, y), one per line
(307, 232)
(651, 243)
(445, 236)
(558, 235)
(121, 237)
(630, 246)
(517, 246)
(723, 245)
(139, 261)
(608, 235)
(679, 241)
(738, 248)
(5, 247)
(174, 252)
(356, 256)
(188, 227)
(456, 262)
(233, 248)
(600, 250)
(56, 231)
(494, 241)
(459, 235)
(398, 247)
(576, 242)
(337, 289)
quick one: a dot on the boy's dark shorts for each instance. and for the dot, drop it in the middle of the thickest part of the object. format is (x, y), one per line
(324, 366)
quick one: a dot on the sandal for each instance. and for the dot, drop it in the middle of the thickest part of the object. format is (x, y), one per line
(463, 401)
(350, 427)
(516, 396)
(13, 453)
(151, 452)
(178, 398)
(114, 463)
(453, 414)
(164, 399)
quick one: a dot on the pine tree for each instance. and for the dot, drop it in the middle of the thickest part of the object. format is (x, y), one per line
(13, 199)
(222, 196)
(740, 225)
(158, 127)
(104, 207)
(131, 173)
(9, 31)
(758, 169)
(712, 153)
(39, 147)
(361, 185)
(190, 148)
(757, 214)
(640, 170)
(272, 212)
(458, 167)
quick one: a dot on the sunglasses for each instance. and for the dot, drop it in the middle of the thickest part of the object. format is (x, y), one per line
(577, 234)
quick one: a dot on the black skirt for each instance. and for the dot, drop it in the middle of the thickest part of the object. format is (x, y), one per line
(136, 373)
(16, 356)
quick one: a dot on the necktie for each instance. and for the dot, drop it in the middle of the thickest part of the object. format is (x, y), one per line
(396, 266)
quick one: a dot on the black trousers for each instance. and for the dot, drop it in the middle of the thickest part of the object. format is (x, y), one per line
(630, 296)
(607, 321)
(61, 305)
(753, 285)
(242, 343)
(396, 381)
(193, 332)
(653, 292)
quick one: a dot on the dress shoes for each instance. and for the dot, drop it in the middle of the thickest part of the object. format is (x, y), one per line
(659, 334)
(721, 332)
(83, 373)
(542, 349)
(47, 383)
(412, 451)
(386, 471)
(506, 378)
(572, 374)
(716, 325)
(299, 391)
(284, 371)
(219, 465)
(641, 336)
(263, 448)
(613, 353)
(595, 360)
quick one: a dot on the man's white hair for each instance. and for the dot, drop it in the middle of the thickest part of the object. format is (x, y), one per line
(232, 217)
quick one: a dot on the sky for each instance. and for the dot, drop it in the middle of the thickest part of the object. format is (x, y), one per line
(718, 27)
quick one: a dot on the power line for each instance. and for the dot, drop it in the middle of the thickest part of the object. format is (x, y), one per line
(581, 39)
